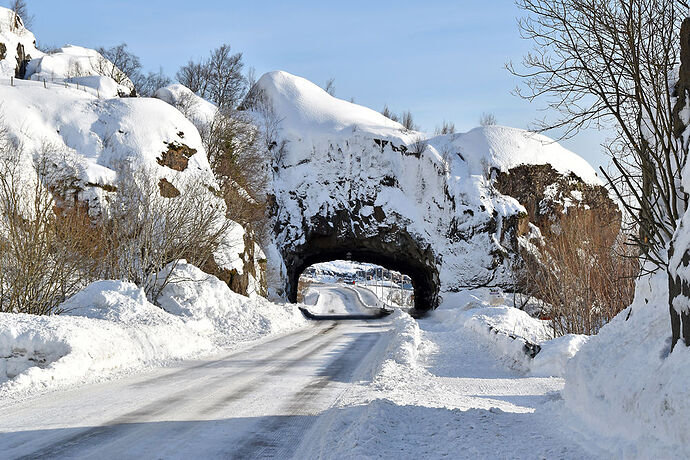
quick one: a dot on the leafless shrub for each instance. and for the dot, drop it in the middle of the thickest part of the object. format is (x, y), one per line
(408, 122)
(47, 249)
(239, 161)
(446, 128)
(145, 231)
(418, 146)
(487, 119)
(586, 274)
(386, 112)
(330, 86)
(147, 85)
(75, 70)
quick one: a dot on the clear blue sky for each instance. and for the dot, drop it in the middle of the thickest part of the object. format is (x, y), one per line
(443, 60)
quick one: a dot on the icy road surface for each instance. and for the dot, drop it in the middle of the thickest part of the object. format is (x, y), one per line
(254, 403)
(319, 392)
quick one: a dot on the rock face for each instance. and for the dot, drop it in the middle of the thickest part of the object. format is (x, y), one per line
(22, 61)
(17, 46)
(547, 195)
(350, 183)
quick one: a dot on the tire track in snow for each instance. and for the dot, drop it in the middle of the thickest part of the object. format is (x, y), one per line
(279, 437)
(122, 426)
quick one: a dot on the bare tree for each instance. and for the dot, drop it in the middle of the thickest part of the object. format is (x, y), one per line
(487, 119)
(446, 128)
(194, 75)
(218, 79)
(386, 112)
(147, 85)
(251, 77)
(119, 64)
(239, 161)
(330, 86)
(408, 122)
(22, 18)
(610, 62)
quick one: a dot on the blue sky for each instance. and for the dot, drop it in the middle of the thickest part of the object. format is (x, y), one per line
(442, 60)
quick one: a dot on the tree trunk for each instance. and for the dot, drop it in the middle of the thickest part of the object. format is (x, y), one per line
(677, 287)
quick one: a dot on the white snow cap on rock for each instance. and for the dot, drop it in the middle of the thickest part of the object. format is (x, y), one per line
(505, 148)
(198, 110)
(307, 111)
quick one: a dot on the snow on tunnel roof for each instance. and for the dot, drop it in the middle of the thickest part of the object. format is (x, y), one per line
(307, 111)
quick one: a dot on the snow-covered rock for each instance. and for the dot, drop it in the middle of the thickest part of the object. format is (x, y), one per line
(198, 110)
(347, 179)
(17, 47)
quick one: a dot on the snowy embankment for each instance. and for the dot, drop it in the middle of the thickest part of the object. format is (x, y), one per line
(625, 385)
(110, 327)
(513, 336)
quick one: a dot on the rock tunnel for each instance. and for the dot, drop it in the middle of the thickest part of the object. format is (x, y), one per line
(393, 248)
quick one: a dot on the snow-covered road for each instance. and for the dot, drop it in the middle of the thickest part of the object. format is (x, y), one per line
(257, 402)
(342, 300)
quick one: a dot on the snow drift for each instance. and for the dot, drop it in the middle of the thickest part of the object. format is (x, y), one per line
(625, 385)
(110, 327)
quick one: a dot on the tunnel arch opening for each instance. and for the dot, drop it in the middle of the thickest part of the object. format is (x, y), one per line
(398, 254)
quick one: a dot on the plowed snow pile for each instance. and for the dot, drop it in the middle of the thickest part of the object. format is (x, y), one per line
(110, 327)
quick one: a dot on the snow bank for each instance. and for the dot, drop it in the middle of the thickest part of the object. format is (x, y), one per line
(624, 384)
(110, 327)
(509, 330)
(403, 348)
(555, 354)
(209, 306)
